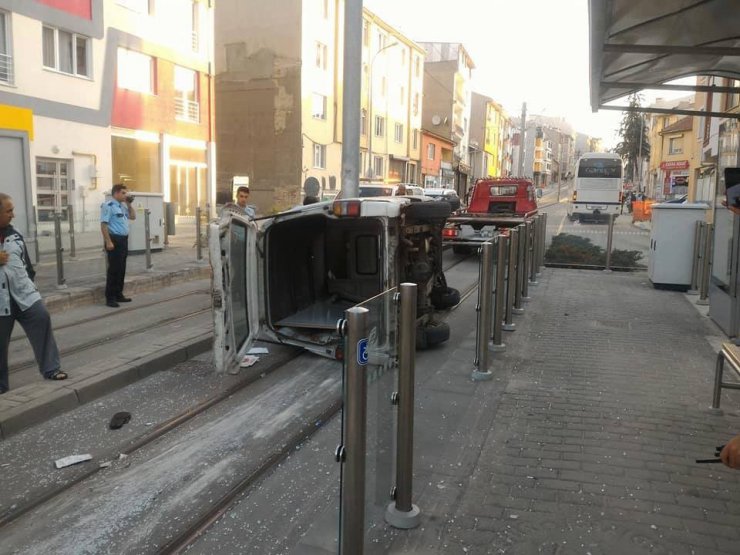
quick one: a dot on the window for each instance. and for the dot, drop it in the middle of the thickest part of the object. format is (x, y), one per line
(398, 135)
(195, 26)
(326, 9)
(416, 104)
(416, 139)
(135, 71)
(417, 66)
(675, 145)
(365, 33)
(378, 166)
(403, 57)
(319, 156)
(403, 96)
(141, 6)
(66, 52)
(318, 106)
(431, 151)
(53, 187)
(379, 126)
(733, 99)
(363, 122)
(381, 41)
(383, 86)
(6, 58)
(321, 54)
(187, 107)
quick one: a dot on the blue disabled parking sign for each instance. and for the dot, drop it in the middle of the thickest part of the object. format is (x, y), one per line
(362, 352)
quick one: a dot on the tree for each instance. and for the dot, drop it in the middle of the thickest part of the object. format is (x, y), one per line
(635, 144)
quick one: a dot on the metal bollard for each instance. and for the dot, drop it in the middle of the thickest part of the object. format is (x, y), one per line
(36, 234)
(352, 451)
(520, 274)
(402, 513)
(609, 238)
(706, 270)
(533, 252)
(499, 292)
(165, 226)
(543, 244)
(61, 282)
(71, 218)
(509, 324)
(527, 247)
(483, 328)
(147, 239)
(696, 259)
(198, 246)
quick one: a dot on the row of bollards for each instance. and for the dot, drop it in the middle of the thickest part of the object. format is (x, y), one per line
(702, 262)
(503, 287)
(401, 513)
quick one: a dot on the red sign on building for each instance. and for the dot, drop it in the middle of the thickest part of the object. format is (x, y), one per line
(675, 165)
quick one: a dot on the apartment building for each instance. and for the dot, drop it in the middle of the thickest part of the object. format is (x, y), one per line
(279, 97)
(436, 161)
(489, 138)
(447, 102)
(94, 92)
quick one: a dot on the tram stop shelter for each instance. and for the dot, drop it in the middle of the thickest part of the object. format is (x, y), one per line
(637, 45)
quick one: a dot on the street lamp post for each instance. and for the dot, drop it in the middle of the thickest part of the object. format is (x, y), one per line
(371, 121)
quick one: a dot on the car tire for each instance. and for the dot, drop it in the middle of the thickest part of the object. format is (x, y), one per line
(428, 210)
(432, 334)
(454, 203)
(443, 298)
(462, 249)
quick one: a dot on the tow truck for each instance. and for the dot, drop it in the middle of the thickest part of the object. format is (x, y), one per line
(495, 203)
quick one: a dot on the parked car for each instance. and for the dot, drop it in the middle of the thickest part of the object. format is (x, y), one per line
(449, 195)
(290, 277)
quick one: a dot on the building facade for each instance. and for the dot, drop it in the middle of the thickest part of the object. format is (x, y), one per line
(95, 92)
(490, 126)
(447, 106)
(436, 161)
(279, 97)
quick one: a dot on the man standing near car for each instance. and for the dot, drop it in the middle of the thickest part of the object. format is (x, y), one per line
(114, 217)
(242, 197)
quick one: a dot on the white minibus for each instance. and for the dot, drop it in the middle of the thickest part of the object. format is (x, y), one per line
(597, 190)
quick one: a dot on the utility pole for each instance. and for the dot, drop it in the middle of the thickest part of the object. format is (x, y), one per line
(522, 136)
(639, 154)
(351, 98)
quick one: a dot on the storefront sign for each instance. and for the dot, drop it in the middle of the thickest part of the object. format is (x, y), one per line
(675, 165)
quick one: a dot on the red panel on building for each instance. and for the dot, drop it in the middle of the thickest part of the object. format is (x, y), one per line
(80, 8)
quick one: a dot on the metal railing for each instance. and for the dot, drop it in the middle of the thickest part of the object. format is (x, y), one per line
(187, 110)
(6, 69)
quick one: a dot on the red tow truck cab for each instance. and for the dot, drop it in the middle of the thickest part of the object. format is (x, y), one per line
(503, 196)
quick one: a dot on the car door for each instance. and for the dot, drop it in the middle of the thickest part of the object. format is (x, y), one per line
(235, 291)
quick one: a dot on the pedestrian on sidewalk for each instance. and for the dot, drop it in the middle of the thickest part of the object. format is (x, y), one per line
(20, 300)
(114, 217)
(242, 197)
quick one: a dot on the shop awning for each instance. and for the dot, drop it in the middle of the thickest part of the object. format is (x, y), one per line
(641, 44)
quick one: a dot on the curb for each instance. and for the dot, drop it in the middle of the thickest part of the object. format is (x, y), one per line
(53, 400)
(80, 296)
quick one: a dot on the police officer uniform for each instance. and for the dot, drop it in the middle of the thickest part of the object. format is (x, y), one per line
(115, 214)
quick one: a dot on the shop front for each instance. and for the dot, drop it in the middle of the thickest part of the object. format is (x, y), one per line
(675, 178)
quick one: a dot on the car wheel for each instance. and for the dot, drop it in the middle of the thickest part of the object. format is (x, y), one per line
(454, 203)
(432, 334)
(445, 298)
(461, 249)
(428, 210)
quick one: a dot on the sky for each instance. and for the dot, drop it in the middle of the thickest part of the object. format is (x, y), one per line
(533, 51)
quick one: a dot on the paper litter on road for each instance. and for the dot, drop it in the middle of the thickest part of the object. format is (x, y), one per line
(72, 459)
(249, 360)
(258, 351)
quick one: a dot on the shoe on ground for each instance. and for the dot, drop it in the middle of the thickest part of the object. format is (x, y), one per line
(123, 299)
(112, 304)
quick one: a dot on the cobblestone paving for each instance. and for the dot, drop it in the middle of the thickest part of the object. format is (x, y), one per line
(595, 425)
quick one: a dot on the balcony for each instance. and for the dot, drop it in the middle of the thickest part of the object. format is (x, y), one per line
(6, 69)
(187, 110)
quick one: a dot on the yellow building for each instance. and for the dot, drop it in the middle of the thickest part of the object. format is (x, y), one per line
(489, 132)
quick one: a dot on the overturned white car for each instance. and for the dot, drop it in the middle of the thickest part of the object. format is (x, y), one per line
(290, 277)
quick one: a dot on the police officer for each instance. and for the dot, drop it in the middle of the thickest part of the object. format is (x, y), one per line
(114, 217)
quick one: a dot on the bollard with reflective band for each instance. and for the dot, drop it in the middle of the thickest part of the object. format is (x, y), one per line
(509, 324)
(483, 328)
(706, 267)
(147, 239)
(352, 503)
(61, 281)
(71, 219)
(402, 513)
(198, 242)
(609, 239)
(520, 274)
(499, 294)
